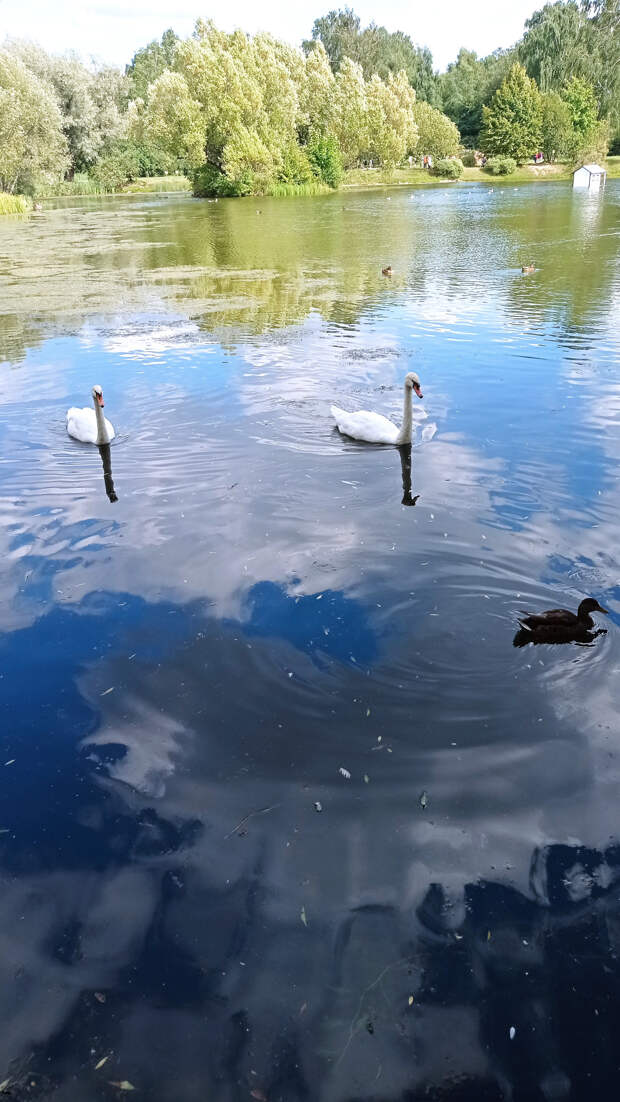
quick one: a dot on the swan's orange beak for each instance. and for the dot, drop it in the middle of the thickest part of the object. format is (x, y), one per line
(418, 391)
(100, 400)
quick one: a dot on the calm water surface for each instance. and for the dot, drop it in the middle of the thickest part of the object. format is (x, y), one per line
(285, 815)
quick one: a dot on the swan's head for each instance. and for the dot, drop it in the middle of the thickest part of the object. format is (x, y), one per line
(98, 395)
(412, 382)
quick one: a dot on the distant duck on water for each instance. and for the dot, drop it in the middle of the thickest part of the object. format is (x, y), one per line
(527, 269)
(387, 271)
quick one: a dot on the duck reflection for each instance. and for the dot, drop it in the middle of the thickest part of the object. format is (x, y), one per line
(106, 459)
(405, 467)
(558, 625)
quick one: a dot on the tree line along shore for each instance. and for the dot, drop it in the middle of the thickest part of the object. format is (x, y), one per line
(237, 114)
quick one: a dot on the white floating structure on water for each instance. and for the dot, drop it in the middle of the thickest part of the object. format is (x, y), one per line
(590, 176)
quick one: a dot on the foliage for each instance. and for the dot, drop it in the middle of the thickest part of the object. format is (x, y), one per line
(375, 49)
(173, 120)
(437, 134)
(468, 158)
(512, 123)
(14, 204)
(32, 145)
(557, 127)
(501, 166)
(325, 160)
(91, 104)
(468, 84)
(565, 40)
(392, 130)
(149, 63)
(450, 168)
(351, 112)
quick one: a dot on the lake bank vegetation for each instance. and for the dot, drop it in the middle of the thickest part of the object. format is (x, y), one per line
(241, 114)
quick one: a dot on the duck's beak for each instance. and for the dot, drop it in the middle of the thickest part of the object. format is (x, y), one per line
(418, 390)
(100, 400)
(601, 609)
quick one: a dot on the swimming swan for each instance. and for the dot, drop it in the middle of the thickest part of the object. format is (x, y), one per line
(373, 427)
(89, 425)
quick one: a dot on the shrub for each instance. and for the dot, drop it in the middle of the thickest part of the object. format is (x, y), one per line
(295, 167)
(469, 158)
(501, 166)
(209, 181)
(450, 169)
(325, 160)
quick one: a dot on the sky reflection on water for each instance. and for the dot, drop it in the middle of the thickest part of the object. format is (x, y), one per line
(186, 670)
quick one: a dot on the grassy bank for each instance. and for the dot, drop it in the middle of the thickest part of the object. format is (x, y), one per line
(83, 185)
(148, 185)
(408, 177)
(14, 204)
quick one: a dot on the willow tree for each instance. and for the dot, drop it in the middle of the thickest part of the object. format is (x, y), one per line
(437, 134)
(351, 112)
(33, 147)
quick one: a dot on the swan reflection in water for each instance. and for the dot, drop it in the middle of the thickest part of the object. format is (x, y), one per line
(405, 467)
(106, 459)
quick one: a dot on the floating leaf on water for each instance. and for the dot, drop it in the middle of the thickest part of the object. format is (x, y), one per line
(411, 1000)
(303, 1008)
(103, 1060)
(511, 1033)
(100, 997)
(259, 1095)
(110, 690)
(3, 1085)
(11, 762)
(303, 916)
(318, 806)
(424, 800)
(124, 1085)
(367, 712)
(488, 935)
(345, 773)
(366, 778)
(459, 937)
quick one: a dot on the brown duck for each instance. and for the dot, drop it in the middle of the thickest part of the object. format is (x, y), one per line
(558, 625)
(387, 271)
(527, 269)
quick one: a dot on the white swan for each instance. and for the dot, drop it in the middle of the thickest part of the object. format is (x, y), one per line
(373, 427)
(89, 425)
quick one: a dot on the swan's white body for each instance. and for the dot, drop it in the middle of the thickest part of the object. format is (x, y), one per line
(374, 428)
(89, 425)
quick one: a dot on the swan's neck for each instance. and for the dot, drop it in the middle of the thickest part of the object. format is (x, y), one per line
(102, 432)
(404, 436)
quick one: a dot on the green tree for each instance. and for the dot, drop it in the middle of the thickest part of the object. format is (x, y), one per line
(590, 135)
(33, 148)
(512, 123)
(376, 49)
(338, 31)
(437, 134)
(316, 94)
(174, 120)
(467, 85)
(557, 127)
(553, 45)
(148, 63)
(351, 112)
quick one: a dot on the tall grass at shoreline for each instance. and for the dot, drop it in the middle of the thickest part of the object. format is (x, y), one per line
(14, 204)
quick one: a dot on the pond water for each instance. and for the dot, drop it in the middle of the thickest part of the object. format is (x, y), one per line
(285, 815)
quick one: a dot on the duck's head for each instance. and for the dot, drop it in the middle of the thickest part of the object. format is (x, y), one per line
(98, 395)
(413, 383)
(590, 605)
